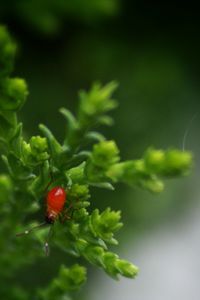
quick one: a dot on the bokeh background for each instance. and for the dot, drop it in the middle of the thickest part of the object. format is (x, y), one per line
(153, 52)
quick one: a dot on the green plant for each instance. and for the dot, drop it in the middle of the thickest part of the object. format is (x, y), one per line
(84, 159)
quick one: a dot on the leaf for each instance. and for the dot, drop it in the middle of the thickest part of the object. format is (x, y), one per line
(105, 120)
(78, 159)
(16, 140)
(41, 182)
(94, 136)
(55, 147)
(16, 168)
(71, 120)
(103, 185)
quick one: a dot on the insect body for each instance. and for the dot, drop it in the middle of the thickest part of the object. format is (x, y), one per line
(56, 199)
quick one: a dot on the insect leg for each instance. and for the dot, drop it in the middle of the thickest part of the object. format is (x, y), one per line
(46, 245)
(31, 229)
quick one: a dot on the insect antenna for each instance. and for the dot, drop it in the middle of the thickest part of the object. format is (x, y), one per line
(31, 229)
(188, 130)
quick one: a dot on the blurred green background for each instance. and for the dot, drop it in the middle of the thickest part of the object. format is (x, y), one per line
(153, 52)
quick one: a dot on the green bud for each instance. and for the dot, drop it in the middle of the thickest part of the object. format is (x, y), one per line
(96, 102)
(94, 254)
(82, 204)
(79, 192)
(126, 268)
(26, 149)
(114, 266)
(105, 154)
(109, 260)
(177, 162)
(152, 185)
(38, 144)
(170, 163)
(13, 93)
(80, 215)
(116, 172)
(72, 278)
(39, 148)
(105, 224)
(154, 160)
(129, 171)
(135, 173)
(35, 152)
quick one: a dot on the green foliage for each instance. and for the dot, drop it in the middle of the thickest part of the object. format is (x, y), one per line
(35, 151)
(105, 224)
(47, 16)
(69, 279)
(95, 103)
(84, 159)
(150, 171)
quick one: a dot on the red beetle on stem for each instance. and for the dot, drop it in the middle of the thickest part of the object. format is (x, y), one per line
(55, 201)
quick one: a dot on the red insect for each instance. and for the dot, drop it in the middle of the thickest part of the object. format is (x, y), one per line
(55, 202)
